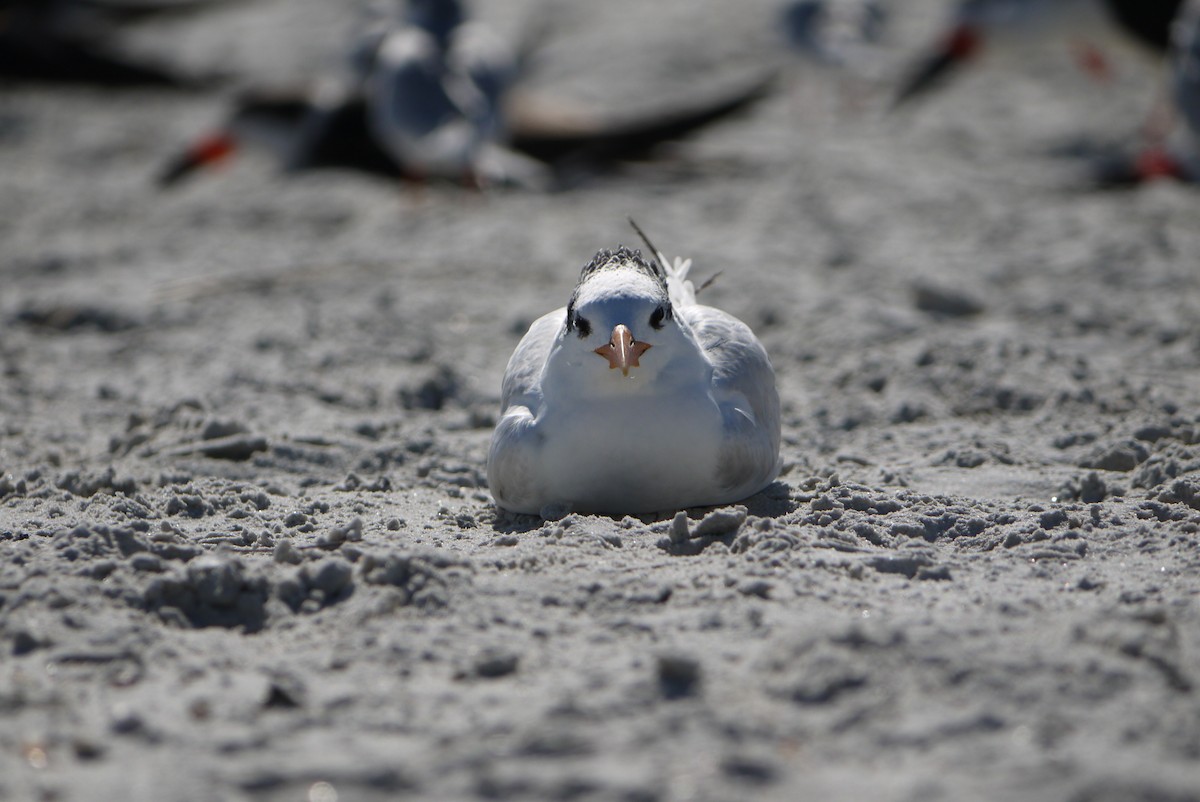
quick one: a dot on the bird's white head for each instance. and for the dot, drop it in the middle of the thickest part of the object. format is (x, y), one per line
(621, 333)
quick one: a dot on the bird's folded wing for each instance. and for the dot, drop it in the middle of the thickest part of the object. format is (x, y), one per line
(739, 361)
(522, 384)
(744, 387)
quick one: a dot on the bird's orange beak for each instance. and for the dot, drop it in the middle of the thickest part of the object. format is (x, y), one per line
(622, 350)
(206, 152)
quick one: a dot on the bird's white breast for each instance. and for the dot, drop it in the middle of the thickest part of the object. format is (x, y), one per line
(633, 453)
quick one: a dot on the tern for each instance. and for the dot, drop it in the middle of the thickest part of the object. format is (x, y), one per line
(976, 22)
(1174, 152)
(1169, 141)
(837, 33)
(634, 398)
(428, 93)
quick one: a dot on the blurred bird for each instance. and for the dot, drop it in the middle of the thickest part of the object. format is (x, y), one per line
(73, 41)
(634, 398)
(1175, 152)
(837, 33)
(434, 92)
(427, 93)
(1169, 139)
(976, 22)
(1147, 21)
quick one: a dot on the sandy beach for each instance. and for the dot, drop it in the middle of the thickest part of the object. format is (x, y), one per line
(249, 551)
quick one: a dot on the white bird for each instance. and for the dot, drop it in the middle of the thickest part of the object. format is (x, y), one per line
(1011, 23)
(1173, 151)
(434, 94)
(634, 398)
(838, 33)
(425, 92)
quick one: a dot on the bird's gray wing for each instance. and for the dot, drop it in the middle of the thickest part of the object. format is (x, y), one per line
(744, 387)
(522, 385)
(516, 444)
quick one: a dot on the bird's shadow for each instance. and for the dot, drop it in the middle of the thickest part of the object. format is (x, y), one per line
(773, 501)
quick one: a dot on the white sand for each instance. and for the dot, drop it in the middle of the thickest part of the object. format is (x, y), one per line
(248, 549)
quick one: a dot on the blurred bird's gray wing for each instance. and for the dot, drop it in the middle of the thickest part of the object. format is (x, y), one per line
(537, 130)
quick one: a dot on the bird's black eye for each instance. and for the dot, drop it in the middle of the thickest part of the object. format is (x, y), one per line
(577, 323)
(657, 317)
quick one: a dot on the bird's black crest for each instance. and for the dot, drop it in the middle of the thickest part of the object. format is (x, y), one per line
(611, 260)
(606, 259)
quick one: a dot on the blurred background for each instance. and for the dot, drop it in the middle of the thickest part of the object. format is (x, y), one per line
(960, 231)
(847, 213)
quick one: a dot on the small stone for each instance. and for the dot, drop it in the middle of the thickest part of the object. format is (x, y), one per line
(493, 665)
(126, 721)
(217, 581)
(87, 749)
(756, 587)
(1051, 518)
(678, 533)
(938, 573)
(24, 643)
(1122, 457)
(433, 391)
(351, 532)
(236, 448)
(554, 512)
(329, 576)
(718, 523)
(1092, 489)
(147, 563)
(944, 301)
(678, 675)
(215, 429)
(749, 769)
(286, 552)
(284, 693)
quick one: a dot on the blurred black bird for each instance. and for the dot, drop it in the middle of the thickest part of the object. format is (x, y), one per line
(1174, 151)
(839, 33)
(976, 22)
(1168, 143)
(427, 93)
